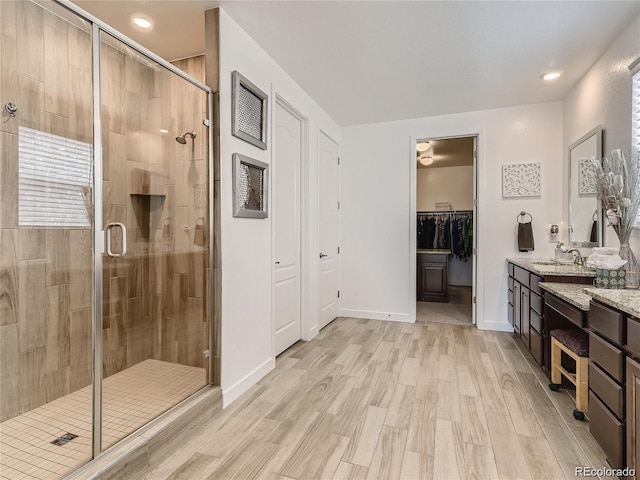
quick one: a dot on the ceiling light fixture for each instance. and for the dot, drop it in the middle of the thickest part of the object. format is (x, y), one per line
(423, 146)
(141, 21)
(426, 161)
(551, 75)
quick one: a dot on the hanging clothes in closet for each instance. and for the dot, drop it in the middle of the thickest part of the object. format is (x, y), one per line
(446, 230)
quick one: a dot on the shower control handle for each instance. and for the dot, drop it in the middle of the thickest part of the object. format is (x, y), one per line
(122, 227)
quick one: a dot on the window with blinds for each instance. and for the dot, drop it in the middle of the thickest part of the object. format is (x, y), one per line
(54, 179)
(635, 108)
(635, 114)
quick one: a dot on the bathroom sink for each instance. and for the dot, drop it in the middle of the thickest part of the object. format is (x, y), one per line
(546, 262)
(553, 262)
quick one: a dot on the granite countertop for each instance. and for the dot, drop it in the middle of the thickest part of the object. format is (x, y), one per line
(439, 251)
(573, 293)
(545, 266)
(627, 301)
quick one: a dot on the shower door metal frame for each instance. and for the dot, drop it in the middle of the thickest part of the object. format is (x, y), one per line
(98, 26)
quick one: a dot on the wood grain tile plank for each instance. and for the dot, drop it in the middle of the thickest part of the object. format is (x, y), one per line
(363, 441)
(58, 330)
(319, 452)
(399, 411)
(411, 466)
(32, 301)
(387, 458)
(540, 458)
(422, 430)
(409, 372)
(9, 271)
(448, 404)
(9, 372)
(479, 462)
(197, 467)
(524, 419)
(448, 461)
(473, 421)
(507, 451)
(349, 471)
(467, 381)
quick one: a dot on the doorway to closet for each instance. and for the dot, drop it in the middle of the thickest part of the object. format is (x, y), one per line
(445, 226)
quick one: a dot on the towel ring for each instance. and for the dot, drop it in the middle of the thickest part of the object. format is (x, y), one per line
(522, 214)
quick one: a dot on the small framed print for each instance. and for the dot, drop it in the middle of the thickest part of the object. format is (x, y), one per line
(250, 187)
(249, 111)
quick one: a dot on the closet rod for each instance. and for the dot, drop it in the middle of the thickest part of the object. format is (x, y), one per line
(443, 212)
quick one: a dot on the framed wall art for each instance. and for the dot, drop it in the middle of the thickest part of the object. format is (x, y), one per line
(248, 111)
(250, 187)
(521, 180)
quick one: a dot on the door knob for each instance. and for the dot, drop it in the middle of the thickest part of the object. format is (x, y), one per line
(322, 255)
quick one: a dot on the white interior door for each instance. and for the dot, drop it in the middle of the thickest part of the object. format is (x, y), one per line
(328, 228)
(474, 281)
(286, 221)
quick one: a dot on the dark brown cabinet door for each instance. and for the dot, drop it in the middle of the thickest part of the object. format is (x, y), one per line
(633, 416)
(524, 316)
(517, 310)
(433, 286)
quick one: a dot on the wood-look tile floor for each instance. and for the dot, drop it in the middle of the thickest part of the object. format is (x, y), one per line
(383, 400)
(132, 398)
(456, 311)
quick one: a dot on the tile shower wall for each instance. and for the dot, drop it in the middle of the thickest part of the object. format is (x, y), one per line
(45, 289)
(46, 273)
(154, 298)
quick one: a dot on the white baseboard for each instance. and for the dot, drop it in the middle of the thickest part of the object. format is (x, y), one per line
(392, 317)
(231, 393)
(312, 333)
(496, 326)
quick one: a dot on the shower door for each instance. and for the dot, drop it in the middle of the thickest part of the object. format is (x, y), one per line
(154, 276)
(46, 242)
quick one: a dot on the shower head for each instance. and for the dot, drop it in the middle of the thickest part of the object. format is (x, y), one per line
(182, 139)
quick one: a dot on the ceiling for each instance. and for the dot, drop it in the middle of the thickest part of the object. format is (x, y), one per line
(449, 152)
(374, 61)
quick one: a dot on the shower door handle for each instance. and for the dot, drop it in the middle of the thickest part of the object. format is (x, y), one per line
(122, 227)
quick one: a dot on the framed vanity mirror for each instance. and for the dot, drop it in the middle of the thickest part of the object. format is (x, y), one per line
(585, 212)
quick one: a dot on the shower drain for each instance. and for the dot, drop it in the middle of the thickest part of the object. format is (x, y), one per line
(62, 439)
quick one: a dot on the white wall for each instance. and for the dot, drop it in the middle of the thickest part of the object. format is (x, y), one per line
(603, 97)
(378, 211)
(445, 184)
(247, 329)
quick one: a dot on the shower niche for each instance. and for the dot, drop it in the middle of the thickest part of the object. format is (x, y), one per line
(147, 200)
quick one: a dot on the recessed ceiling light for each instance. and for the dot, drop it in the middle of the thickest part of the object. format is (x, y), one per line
(551, 75)
(423, 146)
(141, 21)
(426, 161)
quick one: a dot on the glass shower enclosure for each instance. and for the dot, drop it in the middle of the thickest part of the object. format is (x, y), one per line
(105, 214)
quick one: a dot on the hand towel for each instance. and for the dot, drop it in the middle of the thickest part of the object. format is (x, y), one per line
(525, 237)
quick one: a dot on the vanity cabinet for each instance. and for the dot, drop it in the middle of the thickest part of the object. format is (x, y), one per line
(432, 277)
(526, 311)
(633, 394)
(614, 383)
(633, 415)
(524, 305)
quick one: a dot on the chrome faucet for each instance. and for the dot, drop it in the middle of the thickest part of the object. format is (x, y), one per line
(578, 259)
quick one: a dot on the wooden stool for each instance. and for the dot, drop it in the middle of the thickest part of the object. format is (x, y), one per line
(575, 343)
